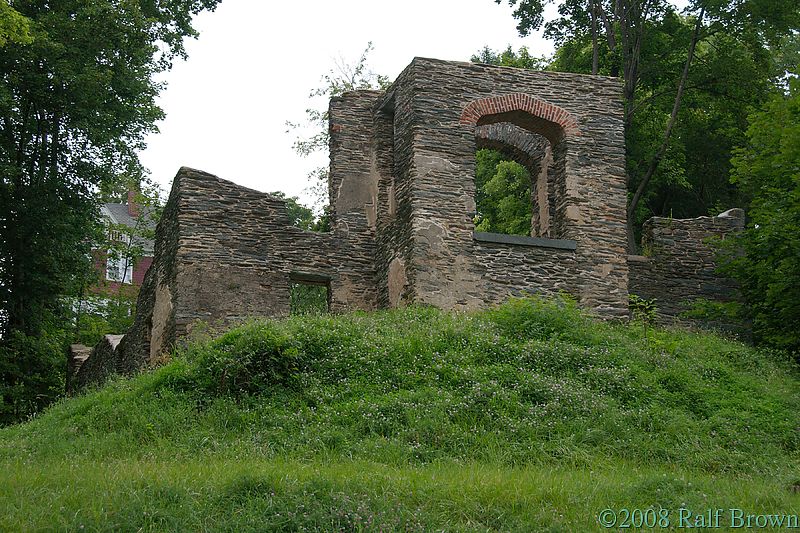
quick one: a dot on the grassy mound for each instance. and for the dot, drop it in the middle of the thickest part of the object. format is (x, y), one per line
(530, 416)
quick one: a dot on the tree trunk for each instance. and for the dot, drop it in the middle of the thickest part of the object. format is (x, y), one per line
(611, 36)
(651, 169)
(595, 48)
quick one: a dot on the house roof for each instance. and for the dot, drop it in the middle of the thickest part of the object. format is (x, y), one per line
(118, 214)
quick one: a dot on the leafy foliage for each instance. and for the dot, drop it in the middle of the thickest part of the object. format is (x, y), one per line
(76, 104)
(31, 373)
(77, 97)
(308, 299)
(510, 58)
(692, 178)
(765, 259)
(14, 27)
(301, 216)
(247, 360)
(642, 309)
(503, 194)
(96, 316)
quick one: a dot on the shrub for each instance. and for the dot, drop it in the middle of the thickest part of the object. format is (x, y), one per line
(535, 317)
(249, 359)
(32, 371)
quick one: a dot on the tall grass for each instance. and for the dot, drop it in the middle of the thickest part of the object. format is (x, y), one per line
(573, 412)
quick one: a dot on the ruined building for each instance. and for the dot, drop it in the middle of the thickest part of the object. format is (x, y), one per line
(402, 195)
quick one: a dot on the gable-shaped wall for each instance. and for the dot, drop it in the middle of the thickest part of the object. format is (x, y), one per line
(225, 253)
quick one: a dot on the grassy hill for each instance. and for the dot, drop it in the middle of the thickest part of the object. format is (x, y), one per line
(529, 417)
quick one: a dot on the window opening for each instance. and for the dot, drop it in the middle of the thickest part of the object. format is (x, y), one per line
(309, 296)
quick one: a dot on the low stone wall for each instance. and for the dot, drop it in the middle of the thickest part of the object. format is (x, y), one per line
(96, 365)
(679, 266)
(511, 265)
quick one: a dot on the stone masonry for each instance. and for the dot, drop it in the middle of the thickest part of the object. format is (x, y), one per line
(402, 197)
(680, 265)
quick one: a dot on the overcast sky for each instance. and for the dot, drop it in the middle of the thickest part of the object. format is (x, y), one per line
(255, 63)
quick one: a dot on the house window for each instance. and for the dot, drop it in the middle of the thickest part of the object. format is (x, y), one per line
(119, 269)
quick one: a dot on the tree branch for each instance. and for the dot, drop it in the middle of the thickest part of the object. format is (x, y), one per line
(667, 134)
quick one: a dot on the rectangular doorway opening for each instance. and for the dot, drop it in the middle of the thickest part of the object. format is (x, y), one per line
(309, 294)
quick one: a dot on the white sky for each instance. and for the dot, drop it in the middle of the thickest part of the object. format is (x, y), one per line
(255, 63)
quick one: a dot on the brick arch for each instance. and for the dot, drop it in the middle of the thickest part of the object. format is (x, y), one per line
(506, 108)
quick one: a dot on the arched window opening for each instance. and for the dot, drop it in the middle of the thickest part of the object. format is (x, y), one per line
(533, 134)
(513, 192)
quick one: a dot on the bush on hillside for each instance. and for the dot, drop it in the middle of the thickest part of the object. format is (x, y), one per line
(249, 359)
(32, 372)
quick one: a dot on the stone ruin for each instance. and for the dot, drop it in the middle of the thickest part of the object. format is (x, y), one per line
(402, 206)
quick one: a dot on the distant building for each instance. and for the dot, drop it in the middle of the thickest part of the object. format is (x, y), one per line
(117, 271)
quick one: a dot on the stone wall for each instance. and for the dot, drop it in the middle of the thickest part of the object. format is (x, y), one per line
(679, 266)
(225, 253)
(438, 109)
(394, 137)
(85, 366)
(402, 204)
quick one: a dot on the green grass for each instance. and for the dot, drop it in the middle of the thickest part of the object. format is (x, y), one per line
(529, 417)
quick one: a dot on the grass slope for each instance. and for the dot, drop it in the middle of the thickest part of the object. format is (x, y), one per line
(529, 417)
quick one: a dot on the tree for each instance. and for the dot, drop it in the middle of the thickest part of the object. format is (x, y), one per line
(631, 26)
(14, 27)
(727, 80)
(76, 101)
(342, 78)
(75, 105)
(503, 194)
(302, 216)
(765, 258)
(510, 58)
